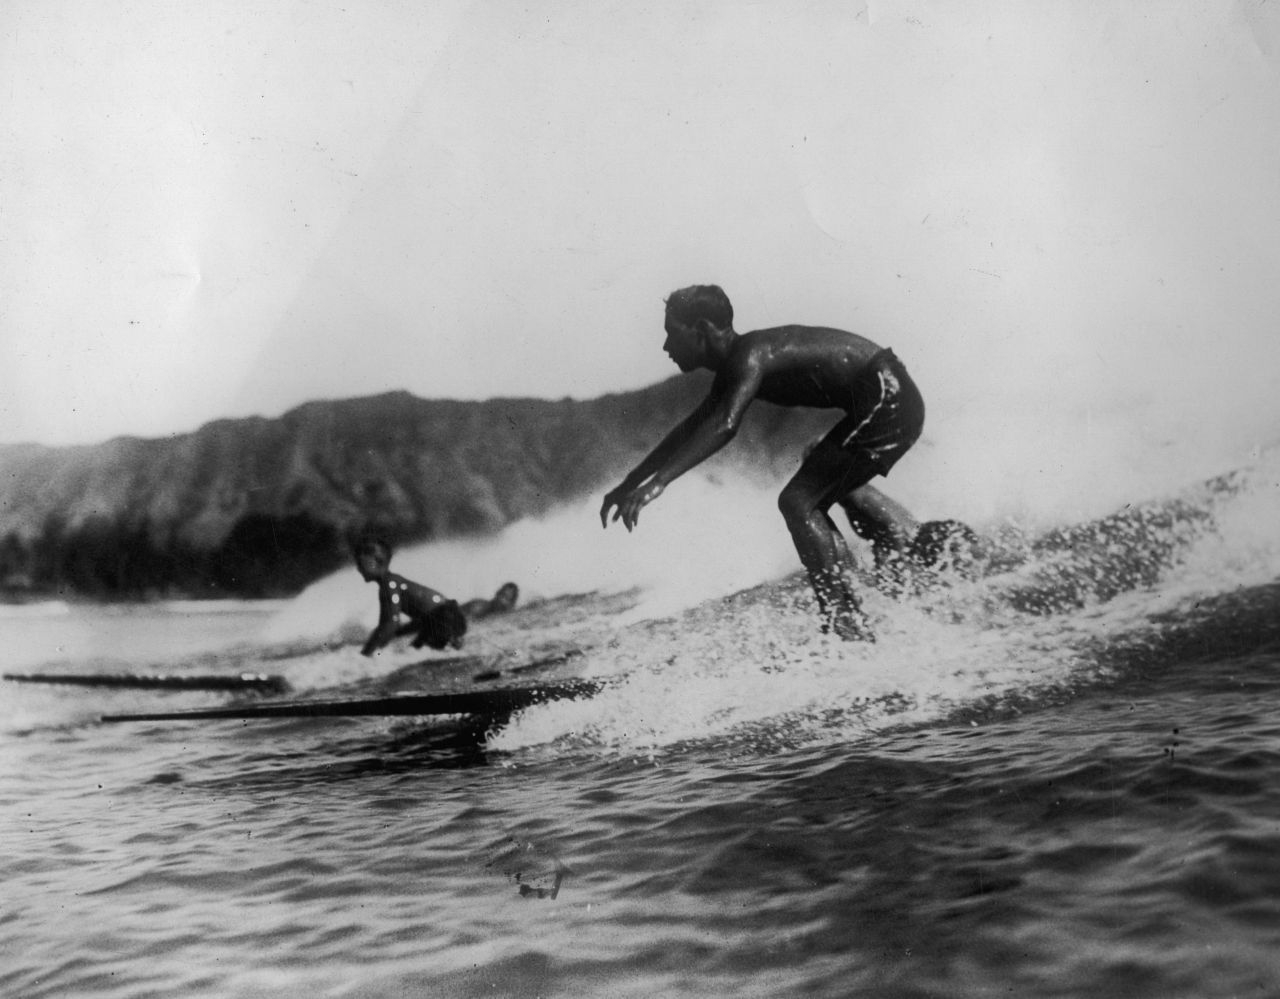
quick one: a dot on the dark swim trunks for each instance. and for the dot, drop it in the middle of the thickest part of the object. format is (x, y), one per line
(444, 625)
(886, 415)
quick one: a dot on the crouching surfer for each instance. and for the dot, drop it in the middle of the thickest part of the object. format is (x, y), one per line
(406, 607)
(807, 366)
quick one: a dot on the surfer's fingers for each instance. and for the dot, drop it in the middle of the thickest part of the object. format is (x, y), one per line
(610, 504)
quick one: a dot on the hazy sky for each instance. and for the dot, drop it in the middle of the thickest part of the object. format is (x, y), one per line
(223, 209)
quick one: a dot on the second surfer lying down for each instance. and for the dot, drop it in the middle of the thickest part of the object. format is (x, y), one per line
(503, 600)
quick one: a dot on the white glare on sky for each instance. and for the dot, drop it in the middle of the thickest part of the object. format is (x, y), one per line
(228, 209)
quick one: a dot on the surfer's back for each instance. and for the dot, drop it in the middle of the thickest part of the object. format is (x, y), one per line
(802, 365)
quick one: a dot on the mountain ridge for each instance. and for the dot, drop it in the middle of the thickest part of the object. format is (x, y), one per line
(261, 506)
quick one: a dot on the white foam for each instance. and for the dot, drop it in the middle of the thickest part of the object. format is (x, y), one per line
(760, 672)
(705, 537)
(752, 665)
(756, 667)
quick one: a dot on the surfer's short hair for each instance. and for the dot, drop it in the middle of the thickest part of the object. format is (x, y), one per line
(701, 301)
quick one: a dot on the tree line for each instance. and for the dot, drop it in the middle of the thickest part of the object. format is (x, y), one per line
(262, 556)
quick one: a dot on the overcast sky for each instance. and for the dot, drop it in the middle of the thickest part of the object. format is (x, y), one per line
(223, 209)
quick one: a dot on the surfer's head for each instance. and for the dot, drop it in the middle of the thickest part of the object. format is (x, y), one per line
(506, 597)
(697, 319)
(373, 556)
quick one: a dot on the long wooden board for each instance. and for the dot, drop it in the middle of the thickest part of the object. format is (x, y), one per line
(497, 701)
(262, 682)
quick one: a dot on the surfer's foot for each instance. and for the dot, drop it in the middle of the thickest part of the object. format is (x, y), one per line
(850, 627)
(891, 576)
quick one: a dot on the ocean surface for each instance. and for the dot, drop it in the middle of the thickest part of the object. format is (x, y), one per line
(1062, 779)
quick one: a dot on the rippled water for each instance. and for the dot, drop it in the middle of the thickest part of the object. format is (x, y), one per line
(1077, 801)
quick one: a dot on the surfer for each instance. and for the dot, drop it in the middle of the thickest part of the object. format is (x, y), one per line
(434, 620)
(790, 365)
(503, 600)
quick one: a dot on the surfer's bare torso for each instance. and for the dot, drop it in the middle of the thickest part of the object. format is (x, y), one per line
(811, 366)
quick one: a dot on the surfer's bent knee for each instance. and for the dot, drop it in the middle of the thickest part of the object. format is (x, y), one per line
(797, 505)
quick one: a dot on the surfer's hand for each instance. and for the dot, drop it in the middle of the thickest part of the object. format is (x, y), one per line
(611, 499)
(635, 500)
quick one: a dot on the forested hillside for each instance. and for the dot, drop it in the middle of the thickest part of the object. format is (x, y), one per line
(261, 507)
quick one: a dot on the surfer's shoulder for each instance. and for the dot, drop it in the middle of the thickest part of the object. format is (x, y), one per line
(752, 355)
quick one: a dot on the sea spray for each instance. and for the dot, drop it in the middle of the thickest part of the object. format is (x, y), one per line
(706, 537)
(713, 635)
(753, 668)
(748, 671)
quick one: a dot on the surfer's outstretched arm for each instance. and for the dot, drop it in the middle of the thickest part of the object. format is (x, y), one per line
(641, 474)
(700, 435)
(385, 630)
(691, 443)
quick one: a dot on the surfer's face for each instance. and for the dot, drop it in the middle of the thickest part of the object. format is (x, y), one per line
(683, 344)
(371, 564)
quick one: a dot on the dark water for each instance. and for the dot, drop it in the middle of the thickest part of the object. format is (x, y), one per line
(1061, 781)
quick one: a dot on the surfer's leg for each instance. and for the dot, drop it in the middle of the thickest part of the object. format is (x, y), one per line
(828, 473)
(890, 528)
(886, 523)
